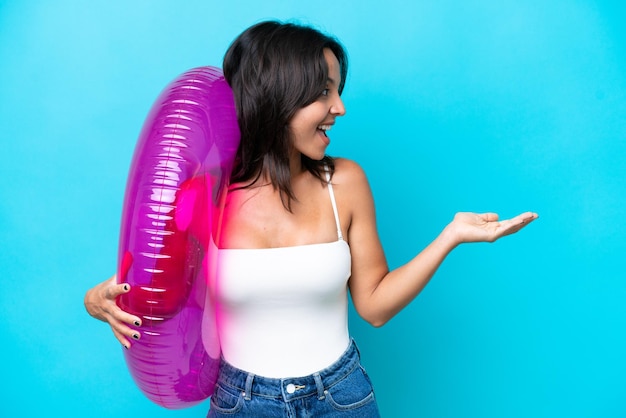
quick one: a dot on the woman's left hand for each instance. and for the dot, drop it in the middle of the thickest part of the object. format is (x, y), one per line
(485, 227)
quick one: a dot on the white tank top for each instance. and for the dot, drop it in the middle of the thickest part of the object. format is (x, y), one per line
(282, 312)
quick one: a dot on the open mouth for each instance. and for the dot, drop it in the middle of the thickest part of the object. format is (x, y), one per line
(324, 129)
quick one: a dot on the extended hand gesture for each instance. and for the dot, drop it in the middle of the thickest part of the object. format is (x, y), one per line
(485, 227)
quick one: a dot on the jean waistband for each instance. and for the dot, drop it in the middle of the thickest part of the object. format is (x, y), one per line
(293, 387)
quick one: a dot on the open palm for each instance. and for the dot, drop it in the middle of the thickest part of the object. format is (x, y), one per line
(486, 227)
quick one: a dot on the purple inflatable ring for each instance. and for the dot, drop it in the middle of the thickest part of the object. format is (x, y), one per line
(170, 223)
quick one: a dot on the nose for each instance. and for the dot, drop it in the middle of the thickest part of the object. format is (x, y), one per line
(337, 108)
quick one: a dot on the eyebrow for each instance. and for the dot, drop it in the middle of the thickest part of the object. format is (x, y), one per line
(331, 81)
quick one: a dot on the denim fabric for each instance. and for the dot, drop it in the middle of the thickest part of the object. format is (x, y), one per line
(342, 390)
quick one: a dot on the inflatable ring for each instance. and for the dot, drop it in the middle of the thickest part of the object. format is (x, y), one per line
(170, 221)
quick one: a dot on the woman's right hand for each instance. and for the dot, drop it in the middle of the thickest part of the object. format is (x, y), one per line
(100, 303)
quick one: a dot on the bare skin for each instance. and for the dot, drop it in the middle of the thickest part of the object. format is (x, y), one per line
(100, 303)
(257, 218)
(377, 293)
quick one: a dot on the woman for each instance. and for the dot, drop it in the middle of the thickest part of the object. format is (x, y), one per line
(300, 232)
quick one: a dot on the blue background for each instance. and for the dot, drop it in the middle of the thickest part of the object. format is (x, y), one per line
(482, 105)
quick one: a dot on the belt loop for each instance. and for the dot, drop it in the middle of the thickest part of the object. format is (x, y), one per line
(319, 385)
(247, 391)
(358, 352)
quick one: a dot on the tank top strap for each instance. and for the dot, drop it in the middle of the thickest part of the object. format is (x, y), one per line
(334, 203)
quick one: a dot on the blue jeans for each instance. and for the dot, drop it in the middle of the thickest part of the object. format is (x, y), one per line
(341, 390)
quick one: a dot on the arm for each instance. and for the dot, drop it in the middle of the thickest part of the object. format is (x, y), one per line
(377, 293)
(100, 303)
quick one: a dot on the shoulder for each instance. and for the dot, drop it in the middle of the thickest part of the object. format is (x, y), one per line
(348, 172)
(351, 185)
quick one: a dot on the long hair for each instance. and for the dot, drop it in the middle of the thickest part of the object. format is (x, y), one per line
(274, 69)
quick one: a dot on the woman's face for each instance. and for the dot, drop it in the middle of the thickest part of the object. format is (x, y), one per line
(309, 125)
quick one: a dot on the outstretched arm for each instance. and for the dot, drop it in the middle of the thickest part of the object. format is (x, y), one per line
(377, 293)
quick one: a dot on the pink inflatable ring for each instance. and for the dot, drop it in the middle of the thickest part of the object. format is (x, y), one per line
(170, 222)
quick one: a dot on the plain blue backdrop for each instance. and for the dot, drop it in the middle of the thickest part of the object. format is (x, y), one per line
(481, 105)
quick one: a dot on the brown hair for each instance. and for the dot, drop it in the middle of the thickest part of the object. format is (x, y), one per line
(275, 69)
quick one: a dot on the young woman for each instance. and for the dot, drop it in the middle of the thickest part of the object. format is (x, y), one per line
(300, 232)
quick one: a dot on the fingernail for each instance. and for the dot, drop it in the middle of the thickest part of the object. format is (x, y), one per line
(125, 346)
(136, 336)
(125, 287)
(137, 323)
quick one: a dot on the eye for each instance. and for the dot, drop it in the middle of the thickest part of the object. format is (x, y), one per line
(325, 92)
